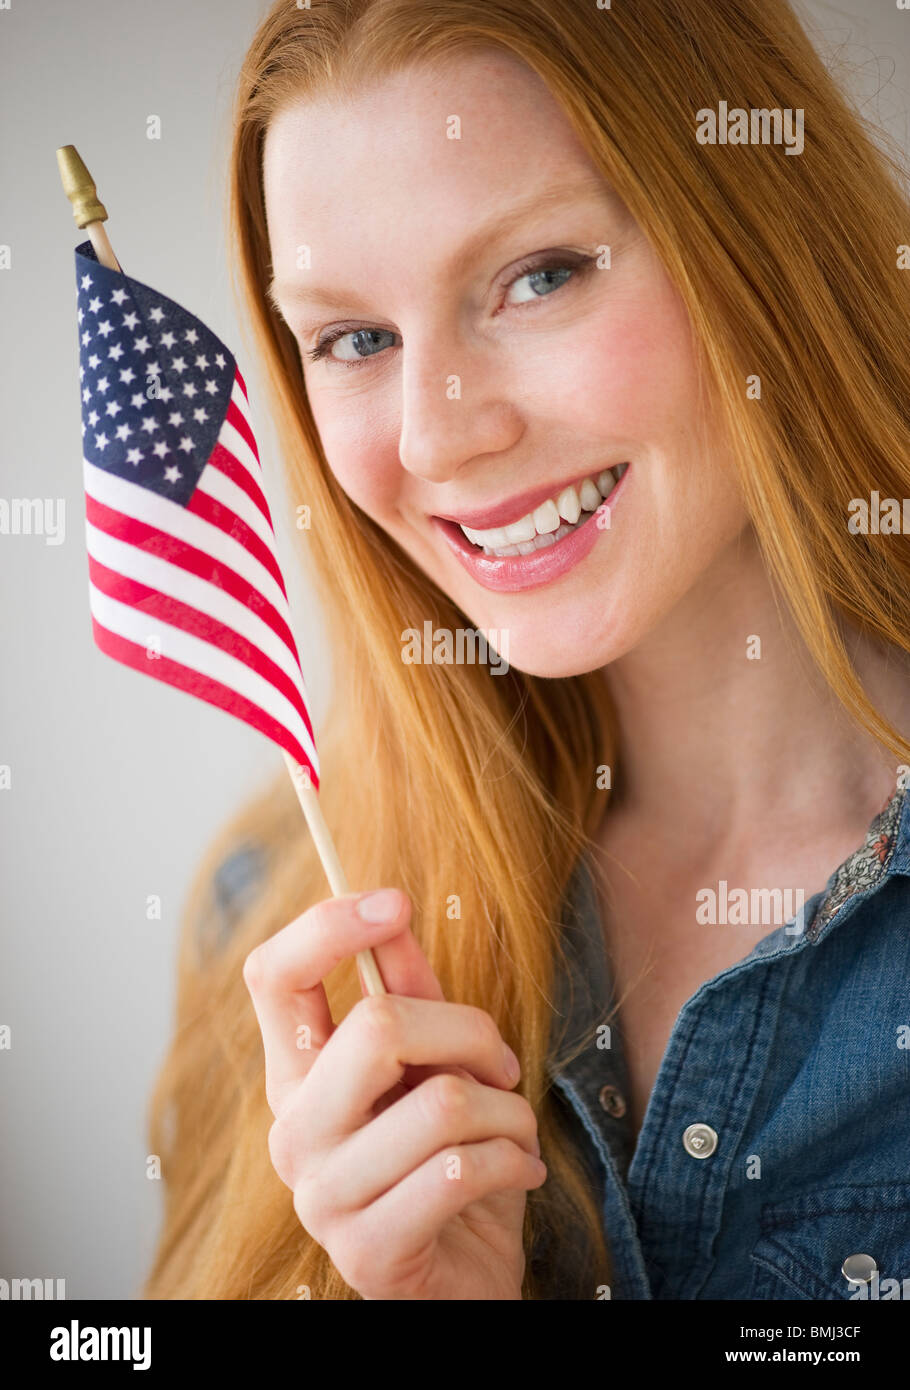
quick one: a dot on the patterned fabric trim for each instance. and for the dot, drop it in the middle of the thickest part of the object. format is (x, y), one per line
(863, 869)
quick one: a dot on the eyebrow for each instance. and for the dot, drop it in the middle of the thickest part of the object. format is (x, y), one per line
(492, 230)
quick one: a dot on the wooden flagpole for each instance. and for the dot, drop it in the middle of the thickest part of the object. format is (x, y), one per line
(90, 215)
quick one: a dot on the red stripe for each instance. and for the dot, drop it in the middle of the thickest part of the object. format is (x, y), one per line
(184, 678)
(237, 418)
(188, 619)
(237, 374)
(201, 504)
(232, 468)
(190, 558)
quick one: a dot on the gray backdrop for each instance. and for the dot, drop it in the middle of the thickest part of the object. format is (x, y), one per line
(118, 782)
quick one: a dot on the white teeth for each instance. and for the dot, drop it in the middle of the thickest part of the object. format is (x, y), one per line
(550, 521)
(569, 505)
(589, 496)
(546, 518)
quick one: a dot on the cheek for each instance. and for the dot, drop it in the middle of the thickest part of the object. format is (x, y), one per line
(359, 444)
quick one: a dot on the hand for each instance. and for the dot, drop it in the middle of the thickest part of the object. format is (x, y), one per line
(398, 1130)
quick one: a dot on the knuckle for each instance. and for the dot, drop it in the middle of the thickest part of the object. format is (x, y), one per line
(379, 1021)
(445, 1094)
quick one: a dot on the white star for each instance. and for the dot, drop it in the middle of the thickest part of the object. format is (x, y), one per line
(141, 345)
(186, 444)
(118, 296)
(148, 424)
(160, 449)
(113, 408)
(189, 390)
(101, 441)
(86, 395)
(152, 369)
(157, 314)
(123, 431)
(199, 414)
(210, 388)
(94, 305)
(219, 360)
(130, 320)
(116, 352)
(175, 418)
(134, 456)
(172, 474)
(80, 316)
(167, 340)
(86, 338)
(165, 393)
(85, 282)
(137, 401)
(191, 335)
(202, 362)
(105, 328)
(178, 364)
(101, 384)
(127, 375)
(93, 418)
(94, 360)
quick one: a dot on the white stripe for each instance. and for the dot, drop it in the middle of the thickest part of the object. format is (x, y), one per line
(142, 504)
(235, 443)
(135, 563)
(223, 489)
(242, 405)
(136, 626)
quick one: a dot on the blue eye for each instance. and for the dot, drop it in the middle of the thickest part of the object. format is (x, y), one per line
(542, 281)
(544, 278)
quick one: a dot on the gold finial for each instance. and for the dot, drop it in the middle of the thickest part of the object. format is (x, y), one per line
(79, 187)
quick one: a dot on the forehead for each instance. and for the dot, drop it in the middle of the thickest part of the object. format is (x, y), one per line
(430, 143)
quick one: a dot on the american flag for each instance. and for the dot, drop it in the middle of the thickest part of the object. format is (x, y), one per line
(184, 583)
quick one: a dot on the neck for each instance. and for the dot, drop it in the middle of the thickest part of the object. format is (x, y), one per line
(712, 743)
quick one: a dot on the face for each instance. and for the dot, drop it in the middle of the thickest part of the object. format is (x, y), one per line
(515, 407)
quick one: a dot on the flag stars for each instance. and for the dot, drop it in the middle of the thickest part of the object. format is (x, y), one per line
(191, 335)
(137, 401)
(175, 418)
(93, 418)
(149, 424)
(101, 384)
(172, 474)
(86, 395)
(202, 362)
(186, 444)
(167, 340)
(86, 282)
(220, 360)
(118, 296)
(127, 375)
(142, 345)
(189, 390)
(200, 415)
(101, 441)
(160, 449)
(211, 387)
(134, 456)
(130, 320)
(105, 328)
(123, 432)
(156, 314)
(94, 305)
(113, 408)
(94, 360)
(165, 394)
(116, 352)
(86, 339)
(178, 364)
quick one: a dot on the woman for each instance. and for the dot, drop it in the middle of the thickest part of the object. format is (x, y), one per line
(503, 277)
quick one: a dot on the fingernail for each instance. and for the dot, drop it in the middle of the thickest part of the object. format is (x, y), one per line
(511, 1064)
(383, 906)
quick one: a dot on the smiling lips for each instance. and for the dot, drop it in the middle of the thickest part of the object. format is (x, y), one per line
(555, 534)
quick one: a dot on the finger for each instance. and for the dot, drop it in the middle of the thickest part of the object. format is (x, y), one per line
(382, 1036)
(444, 1112)
(411, 1215)
(284, 976)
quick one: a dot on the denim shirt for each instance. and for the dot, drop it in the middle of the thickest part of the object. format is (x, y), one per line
(773, 1160)
(774, 1152)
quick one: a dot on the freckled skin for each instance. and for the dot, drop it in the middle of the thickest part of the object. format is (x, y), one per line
(598, 371)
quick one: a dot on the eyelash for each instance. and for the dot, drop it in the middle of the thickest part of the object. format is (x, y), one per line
(577, 263)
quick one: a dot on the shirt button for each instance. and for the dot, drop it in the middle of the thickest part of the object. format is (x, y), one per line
(613, 1101)
(699, 1141)
(859, 1269)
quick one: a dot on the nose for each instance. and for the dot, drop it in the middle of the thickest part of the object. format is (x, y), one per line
(455, 405)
